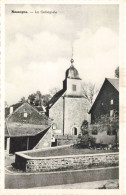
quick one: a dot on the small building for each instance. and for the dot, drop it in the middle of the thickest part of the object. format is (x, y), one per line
(107, 100)
(26, 128)
(68, 107)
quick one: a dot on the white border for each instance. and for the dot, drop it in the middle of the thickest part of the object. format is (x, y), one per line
(122, 4)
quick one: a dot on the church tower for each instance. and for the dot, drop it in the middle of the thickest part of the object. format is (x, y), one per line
(72, 82)
(68, 108)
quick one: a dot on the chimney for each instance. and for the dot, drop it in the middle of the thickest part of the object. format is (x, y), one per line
(11, 110)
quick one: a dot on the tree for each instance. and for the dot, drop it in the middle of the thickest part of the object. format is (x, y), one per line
(53, 91)
(117, 72)
(22, 100)
(37, 99)
(89, 90)
(84, 127)
(84, 139)
(31, 98)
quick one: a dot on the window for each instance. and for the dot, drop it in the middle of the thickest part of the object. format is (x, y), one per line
(111, 101)
(74, 87)
(111, 113)
(25, 114)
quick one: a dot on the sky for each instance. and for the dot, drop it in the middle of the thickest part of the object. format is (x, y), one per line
(38, 46)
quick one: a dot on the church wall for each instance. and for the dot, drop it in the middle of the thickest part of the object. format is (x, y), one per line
(56, 113)
(70, 83)
(75, 113)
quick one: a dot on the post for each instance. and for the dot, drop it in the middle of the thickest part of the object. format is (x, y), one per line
(8, 145)
(27, 143)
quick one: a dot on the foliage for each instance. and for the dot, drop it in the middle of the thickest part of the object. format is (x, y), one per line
(22, 100)
(94, 131)
(86, 141)
(53, 91)
(84, 127)
(117, 72)
(37, 99)
(89, 90)
(107, 123)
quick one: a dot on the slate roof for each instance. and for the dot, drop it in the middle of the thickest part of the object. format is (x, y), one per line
(15, 106)
(55, 98)
(7, 111)
(6, 131)
(40, 108)
(113, 82)
(21, 130)
(18, 129)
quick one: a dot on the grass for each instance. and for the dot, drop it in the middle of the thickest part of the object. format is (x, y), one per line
(70, 150)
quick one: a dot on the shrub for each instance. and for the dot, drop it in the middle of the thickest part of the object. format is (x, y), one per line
(92, 141)
(84, 127)
(94, 131)
(86, 141)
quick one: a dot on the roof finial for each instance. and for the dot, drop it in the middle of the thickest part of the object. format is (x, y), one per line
(72, 61)
(72, 52)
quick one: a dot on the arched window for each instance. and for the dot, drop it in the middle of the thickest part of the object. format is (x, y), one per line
(74, 131)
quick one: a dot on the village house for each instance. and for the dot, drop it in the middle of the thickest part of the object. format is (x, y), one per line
(105, 112)
(26, 128)
(107, 100)
(68, 107)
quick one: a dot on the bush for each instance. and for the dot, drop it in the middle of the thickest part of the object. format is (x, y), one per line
(86, 141)
(94, 131)
(92, 141)
(109, 132)
(84, 127)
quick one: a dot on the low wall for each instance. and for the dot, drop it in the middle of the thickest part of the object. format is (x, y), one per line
(40, 164)
(31, 180)
(66, 139)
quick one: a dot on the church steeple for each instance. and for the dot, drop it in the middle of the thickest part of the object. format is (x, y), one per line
(72, 72)
(72, 61)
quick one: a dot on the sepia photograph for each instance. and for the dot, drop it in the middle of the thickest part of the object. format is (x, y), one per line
(61, 96)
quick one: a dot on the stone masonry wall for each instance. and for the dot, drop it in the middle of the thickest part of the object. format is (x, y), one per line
(75, 114)
(56, 113)
(74, 162)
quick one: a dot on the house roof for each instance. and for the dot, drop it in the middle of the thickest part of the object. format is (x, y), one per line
(15, 106)
(6, 131)
(22, 130)
(7, 112)
(18, 105)
(113, 82)
(40, 108)
(55, 98)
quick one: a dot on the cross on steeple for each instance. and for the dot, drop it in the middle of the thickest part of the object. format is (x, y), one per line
(72, 61)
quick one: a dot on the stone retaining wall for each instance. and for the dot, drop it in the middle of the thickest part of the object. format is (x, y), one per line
(40, 164)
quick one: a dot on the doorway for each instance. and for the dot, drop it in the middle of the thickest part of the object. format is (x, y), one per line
(74, 131)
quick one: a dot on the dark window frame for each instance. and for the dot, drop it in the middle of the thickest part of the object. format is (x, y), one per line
(74, 87)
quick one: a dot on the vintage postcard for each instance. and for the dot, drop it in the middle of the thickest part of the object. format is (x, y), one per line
(62, 97)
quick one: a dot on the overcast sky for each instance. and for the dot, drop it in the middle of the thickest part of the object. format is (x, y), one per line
(38, 46)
